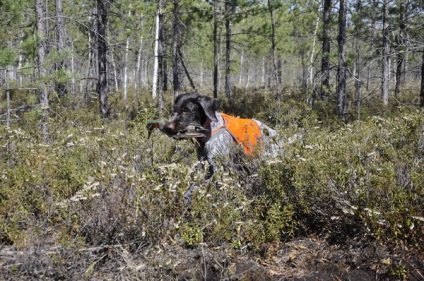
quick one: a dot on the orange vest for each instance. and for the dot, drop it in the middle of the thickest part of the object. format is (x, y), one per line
(244, 131)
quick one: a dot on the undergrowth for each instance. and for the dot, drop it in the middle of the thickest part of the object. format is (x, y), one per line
(102, 182)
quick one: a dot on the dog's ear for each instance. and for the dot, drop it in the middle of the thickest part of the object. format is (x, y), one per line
(209, 106)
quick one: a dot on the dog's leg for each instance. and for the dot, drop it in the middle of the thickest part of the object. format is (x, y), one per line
(188, 195)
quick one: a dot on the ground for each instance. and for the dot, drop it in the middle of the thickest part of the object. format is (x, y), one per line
(310, 258)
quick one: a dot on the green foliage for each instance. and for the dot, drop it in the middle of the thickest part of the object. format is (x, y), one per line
(7, 57)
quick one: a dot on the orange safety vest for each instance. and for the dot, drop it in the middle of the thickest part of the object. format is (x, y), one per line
(244, 131)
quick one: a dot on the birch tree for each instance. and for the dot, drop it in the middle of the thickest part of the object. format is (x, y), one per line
(386, 54)
(158, 23)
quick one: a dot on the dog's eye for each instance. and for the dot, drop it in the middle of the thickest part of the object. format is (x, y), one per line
(184, 109)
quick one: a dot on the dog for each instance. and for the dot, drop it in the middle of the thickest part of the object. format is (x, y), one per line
(221, 135)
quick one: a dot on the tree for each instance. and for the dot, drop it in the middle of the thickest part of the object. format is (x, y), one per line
(215, 47)
(102, 85)
(325, 59)
(400, 44)
(41, 53)
(60, 47)
(229, 10)
(422, 79)
(275, 61)
(386, 55)
(158, 23)
(176, 49)
(341, 71)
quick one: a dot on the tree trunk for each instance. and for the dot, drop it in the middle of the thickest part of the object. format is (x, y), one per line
(229, 10)
(92, 54)
(175, 49)
(311, 60)
(41, 52)
(241, 68)
(325, 60)
(358, 81)
(163, 63)
(372, 44)
(215, 48)
(186, 71)
(275, 62)
(137, 75)
(127, 50)
(400, 46)
(102, 89)
(341, 71)
(156, 54)
(422, 80)
(385, 58)
(60, 45)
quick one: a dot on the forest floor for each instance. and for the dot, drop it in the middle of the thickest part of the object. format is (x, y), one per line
(310, 258)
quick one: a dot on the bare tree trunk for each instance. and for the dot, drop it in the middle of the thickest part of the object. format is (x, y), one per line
(275, 61)
(163, 62)
(385, 58)
(186, 70)
(400, 48)
(241, 68)
(341, 72)
(92, 53)
(358, 81)
(175, 49)
(263, 72)
(60, 66)
(115, 72)
(229, 10)
(373, 25)
(137, 75)
(422, 80)
(215, 48)
(311, 60)
(127, 48)
(325, 60)
(41, 52)
(102, 85)
(157, 44)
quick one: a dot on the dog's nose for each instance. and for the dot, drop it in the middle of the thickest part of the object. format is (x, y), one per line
(170, 126)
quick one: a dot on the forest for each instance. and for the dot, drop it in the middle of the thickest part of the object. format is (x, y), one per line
(85, 194)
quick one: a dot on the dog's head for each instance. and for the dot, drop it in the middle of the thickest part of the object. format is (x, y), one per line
(190, 109)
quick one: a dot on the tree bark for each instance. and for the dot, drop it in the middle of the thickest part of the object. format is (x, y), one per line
(229, 10)
(186, 70)
(341, 71)
(422, 80)
(325, 60)
(215, 48)
(60, 66)
(175, 49)
(385, 58)
(127, 50)
(311, 60)
(156, 51)
(102, 85)
(275, 62)
(41, 52)
(400, 46)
